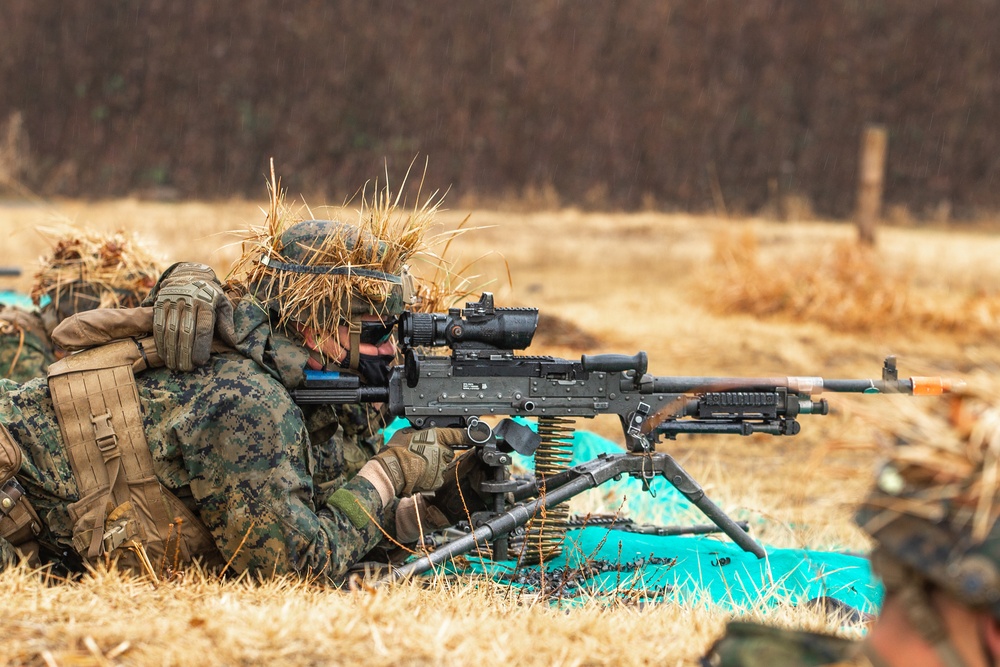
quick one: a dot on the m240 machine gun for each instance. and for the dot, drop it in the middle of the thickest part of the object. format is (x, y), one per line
(483, 379)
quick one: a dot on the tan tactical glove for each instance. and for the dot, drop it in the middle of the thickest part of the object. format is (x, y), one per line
(460, 495)
(449, 437)
(189, 305)
(412, 462)
(415, 518)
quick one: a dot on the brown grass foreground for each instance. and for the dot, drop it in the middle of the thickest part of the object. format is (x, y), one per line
(107, 618)
(610, 283)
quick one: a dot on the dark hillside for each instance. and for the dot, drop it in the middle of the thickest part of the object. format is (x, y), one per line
(687, 105)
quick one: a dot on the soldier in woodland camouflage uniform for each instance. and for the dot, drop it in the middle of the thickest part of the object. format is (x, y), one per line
(933, 514)
(272, 484)
(86, 270)
(25, 349)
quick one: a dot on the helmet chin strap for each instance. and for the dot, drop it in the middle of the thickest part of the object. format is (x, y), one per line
(354, 354)
(926, 619)
(914, 598)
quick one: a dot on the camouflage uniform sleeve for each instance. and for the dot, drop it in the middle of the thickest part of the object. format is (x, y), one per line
(360, 428)
(245, 450)
(25, 352)
(344, 438)
(753, 645)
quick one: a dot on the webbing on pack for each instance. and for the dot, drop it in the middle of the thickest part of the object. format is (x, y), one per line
(122, 504)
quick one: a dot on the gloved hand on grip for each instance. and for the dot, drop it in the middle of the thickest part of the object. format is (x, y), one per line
(189, 306)
(411, 462)
(416, 466)
(461, 495)
(449, 437)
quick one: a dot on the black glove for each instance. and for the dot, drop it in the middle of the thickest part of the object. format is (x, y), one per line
(189, 305)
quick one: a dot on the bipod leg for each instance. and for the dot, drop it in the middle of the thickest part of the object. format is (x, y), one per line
(566, 485)
(691, 490)
(497, 489)
(499, 546)
(572, 483)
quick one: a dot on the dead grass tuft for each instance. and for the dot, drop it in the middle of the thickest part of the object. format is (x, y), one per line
(843, 285)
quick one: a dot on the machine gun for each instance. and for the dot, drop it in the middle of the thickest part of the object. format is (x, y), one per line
(483, 379)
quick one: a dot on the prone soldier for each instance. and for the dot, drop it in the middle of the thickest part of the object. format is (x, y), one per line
(85, 270)
(122, 458)
(933, 516)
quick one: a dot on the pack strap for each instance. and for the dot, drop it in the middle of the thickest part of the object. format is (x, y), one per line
(101, 421)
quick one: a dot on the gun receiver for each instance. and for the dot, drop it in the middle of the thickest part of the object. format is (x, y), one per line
(483, 377)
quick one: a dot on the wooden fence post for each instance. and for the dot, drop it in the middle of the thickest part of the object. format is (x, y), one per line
(871, 173)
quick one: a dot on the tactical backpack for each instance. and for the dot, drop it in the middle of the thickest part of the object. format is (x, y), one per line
(124, 512)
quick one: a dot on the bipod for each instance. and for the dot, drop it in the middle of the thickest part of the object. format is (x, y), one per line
(560, 488)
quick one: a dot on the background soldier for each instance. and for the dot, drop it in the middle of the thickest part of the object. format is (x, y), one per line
(85, 270)
(933, 516)
(249, 472)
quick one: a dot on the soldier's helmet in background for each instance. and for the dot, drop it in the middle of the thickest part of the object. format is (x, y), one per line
(89, 269)
(933, 510)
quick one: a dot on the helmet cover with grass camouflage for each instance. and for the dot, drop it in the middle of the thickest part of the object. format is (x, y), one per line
(88, 269)
(934, 508)
(322, 273)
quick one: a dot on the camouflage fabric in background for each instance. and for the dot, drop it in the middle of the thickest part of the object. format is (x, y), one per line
(230, 442)
(25, 348)
(753, 645)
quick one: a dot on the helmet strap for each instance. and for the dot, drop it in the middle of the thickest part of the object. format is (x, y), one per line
(354, 329)
(926, 620)
(914, 598)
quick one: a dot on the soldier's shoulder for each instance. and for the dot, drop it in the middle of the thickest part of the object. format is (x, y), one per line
(754, 645)
(18, 321)
(25, 348)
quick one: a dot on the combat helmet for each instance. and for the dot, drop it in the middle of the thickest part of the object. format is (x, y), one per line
(88, 269)
(325, 273)
(934, 507)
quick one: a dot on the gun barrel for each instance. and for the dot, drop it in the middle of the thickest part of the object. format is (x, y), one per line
(917, 386)
(337, 396)
(9, 272)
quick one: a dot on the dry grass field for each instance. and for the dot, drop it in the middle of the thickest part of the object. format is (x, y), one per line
(701, 295)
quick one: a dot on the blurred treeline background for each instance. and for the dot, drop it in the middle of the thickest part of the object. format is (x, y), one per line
(734, 106)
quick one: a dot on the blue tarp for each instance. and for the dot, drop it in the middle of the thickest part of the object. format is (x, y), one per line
(14, 299)
(686, 568)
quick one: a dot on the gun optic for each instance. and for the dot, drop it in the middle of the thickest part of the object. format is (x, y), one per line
(478, 325)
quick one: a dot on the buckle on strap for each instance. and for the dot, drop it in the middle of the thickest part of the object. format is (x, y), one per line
(114, 537)
(10, 493)
(104, 433)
